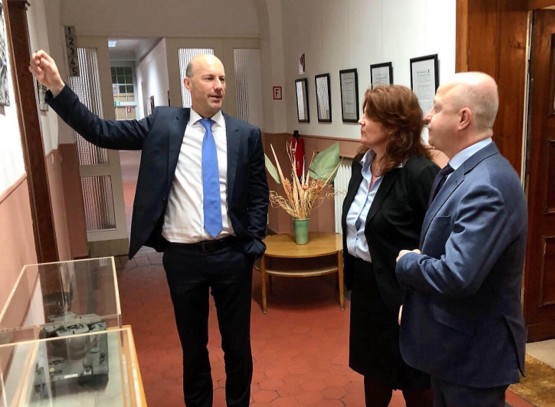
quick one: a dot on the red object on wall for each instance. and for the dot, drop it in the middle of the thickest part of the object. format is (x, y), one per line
(297, 152)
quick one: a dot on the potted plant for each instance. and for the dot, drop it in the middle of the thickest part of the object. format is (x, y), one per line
(302, 194)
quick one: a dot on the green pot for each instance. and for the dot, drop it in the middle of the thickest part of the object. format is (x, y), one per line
(300, 227)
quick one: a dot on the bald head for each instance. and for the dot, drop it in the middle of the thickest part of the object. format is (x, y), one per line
(205, 79)
(463, 113)
(201, 60)
(477, 91)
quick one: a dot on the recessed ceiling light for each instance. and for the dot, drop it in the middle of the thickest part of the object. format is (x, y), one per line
(112, 43)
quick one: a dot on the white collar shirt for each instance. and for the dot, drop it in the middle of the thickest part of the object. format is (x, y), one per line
(184, 217)
(357, 245)
(463, 155)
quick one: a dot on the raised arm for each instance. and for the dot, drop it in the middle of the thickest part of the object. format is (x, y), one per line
(44, 69)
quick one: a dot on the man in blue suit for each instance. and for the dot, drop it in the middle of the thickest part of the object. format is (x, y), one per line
(168, 212)
(462, 320)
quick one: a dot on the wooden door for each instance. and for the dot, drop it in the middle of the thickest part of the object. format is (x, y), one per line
(539, 281)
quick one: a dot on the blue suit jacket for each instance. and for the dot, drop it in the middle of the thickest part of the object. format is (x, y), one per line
(159, 136)
(462, 319)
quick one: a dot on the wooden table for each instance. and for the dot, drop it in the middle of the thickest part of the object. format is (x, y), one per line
(283, 257)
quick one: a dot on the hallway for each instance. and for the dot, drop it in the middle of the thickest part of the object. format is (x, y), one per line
(300, 347)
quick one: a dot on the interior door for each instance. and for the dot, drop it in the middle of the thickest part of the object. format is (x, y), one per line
(539, 281)
(100, 169)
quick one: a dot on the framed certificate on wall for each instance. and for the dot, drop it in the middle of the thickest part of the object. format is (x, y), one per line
(348, 80)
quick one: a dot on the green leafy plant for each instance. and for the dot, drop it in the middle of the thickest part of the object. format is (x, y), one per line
(303, 194)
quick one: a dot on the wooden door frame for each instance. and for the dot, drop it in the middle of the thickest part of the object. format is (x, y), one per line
(503, 26)
(31, 137)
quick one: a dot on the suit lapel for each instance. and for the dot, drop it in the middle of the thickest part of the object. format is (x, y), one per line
(177, 132)
(453, 183)
(444, 193)
(387, 182)
(234, 144)
(354, 183)
(383, 190)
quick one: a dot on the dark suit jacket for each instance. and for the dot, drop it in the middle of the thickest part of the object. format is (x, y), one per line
(394, 221)
(462, 320)
(159, 136)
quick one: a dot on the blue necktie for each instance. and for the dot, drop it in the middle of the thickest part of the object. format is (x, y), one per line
(210, 182)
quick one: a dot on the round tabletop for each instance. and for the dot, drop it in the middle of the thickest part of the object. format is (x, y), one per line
(319, 244)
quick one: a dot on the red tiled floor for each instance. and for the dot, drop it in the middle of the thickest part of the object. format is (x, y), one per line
(300, 348)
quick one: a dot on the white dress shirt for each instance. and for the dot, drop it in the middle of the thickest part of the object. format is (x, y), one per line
(184, 217)
(357, 245)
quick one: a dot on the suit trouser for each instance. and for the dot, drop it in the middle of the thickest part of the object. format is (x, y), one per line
(192, 271)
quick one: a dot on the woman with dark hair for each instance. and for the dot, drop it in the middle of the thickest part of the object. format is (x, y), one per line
(383, 211)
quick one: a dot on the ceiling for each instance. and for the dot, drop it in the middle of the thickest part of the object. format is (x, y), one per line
(131, 49)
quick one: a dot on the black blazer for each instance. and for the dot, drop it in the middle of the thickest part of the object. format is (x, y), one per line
(394, 221)
(159, 136)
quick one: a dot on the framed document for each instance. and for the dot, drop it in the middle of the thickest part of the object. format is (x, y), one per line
(424, 79)
(348, 80)
(381, 74)
(301, 91)
(323, 97)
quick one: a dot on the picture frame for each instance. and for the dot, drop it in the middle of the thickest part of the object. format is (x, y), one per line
(381, 74)
(301, 93)
(4, 91)
(424, 79)
(323, 97)
(348, 79)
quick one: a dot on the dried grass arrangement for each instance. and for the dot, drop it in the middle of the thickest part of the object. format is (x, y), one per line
(303, 194)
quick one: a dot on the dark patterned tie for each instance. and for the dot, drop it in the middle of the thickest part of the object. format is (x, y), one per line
(439, 180)
(210, 182)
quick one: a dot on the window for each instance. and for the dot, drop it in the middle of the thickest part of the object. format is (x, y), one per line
(124, 92)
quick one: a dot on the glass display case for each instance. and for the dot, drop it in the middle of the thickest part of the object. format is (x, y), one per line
(61, 339)
(90, 369)
(49, 294)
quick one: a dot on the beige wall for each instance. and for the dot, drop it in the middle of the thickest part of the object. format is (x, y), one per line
(16, 235)
(69, 222)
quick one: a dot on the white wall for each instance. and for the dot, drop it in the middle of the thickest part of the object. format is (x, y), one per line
(336, 35)
(152, 78)
(12, 166)
(164, 18)
(332, 34)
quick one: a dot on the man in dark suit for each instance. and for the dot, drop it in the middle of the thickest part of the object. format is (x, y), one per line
(168, 212)
(462, 319)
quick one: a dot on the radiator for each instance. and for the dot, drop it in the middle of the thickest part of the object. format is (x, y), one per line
(340, 184)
